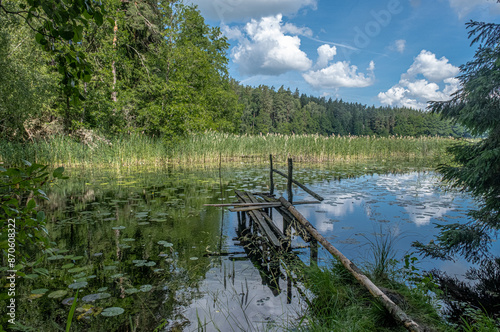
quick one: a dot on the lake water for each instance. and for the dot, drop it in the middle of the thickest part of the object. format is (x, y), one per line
(144, 252)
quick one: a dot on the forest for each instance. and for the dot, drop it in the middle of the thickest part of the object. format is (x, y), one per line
(159, 69)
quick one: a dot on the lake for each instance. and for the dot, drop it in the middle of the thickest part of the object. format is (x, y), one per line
(144, 252)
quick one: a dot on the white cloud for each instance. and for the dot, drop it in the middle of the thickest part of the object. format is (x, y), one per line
(433, 69)
(338, 74)
(422, 83)
(398, 46)
(265, 49)
(464, 7)
(243, 10)
(325, 55)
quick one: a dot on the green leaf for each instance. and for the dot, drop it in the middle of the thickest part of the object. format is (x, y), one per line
(98, 18)
(38, 37)
(58, 172)
(31, 204)
(40, 216)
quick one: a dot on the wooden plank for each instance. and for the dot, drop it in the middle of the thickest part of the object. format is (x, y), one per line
(257, 216)
(392, 307)
(265, 206)
(271, 224)
(242, 204)
(307, 190)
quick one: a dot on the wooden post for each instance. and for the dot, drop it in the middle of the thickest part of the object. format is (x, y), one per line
(290, 179)
(271, 180)
(392, 307)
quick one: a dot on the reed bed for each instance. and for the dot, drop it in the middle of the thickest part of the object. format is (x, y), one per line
(210, 147)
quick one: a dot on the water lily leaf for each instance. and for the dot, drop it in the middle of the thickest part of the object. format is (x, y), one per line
(112, 311)
(193, 258)
(69, 301)
(145, 288)
(102, 289)
(119, 227)
(166, 244)
(35, 296)
(128, 240)
(151, 263)
(68, 266)
(77, 258)
(57, 294)
(39, 291)
(124, 246)
(131, 290)
(109, 267)
(31, 276)
(55, 257)
(144, 223)
(77, 269)
(78, 285)
(118, 275)
(94, 297)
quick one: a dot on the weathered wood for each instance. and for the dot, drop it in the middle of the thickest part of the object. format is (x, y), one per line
(290, 180)
(271, 180)
(258, 217)
(393, 308)
(271, 224)
(307, 190)
(243, 204)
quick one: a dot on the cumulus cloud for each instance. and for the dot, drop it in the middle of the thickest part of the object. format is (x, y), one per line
(428, 78)
(265, 49)
(243, 10)
(337, 74)
(464, 7)
(398, 46)
(432, 68)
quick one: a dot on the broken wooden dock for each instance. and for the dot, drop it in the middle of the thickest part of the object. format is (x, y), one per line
(259, 209)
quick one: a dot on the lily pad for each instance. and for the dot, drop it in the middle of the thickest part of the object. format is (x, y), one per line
(145, 288)
(77, 269)
(57, 294)
(151, 263)
(69, 301)
(128, 240)
(124, 246)
(102, 289)
(77, 258)
(118, 275)
(94, 297)
(193, 258)
(166, 244)
(39, 291)
(112, 311)
(55, 257)
(68, 266)
(78, 285)
(119, 227)
(131, 290)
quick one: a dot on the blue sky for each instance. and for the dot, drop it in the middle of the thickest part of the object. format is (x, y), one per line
(391, 52)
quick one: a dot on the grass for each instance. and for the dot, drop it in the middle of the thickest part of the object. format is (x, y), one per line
(340, 303)
(209, 147)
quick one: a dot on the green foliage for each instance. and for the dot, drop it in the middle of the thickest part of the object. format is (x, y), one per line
(476, 164)
(20, 189)
(269, 111)
(58, 26)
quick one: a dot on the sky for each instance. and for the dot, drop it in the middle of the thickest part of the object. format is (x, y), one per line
(391, 52)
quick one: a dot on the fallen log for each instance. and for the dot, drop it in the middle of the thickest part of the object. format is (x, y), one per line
(392, 307)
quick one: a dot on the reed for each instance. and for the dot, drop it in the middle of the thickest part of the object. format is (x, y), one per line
(209, 147)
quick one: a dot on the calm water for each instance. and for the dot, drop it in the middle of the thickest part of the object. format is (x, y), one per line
(144, 252)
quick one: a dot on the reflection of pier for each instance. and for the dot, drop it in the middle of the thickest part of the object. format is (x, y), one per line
(268, 246)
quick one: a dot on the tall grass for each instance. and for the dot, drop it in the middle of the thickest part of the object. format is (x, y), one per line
(208, 147)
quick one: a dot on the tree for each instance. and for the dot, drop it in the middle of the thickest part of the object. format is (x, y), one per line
(58, 27)
(476, 166)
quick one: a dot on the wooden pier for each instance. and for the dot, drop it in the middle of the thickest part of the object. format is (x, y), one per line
(257, 231)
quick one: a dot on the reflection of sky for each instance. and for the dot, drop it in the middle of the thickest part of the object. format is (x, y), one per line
(407, 206)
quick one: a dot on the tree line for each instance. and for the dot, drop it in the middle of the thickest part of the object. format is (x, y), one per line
(155, 67)
(267, 110)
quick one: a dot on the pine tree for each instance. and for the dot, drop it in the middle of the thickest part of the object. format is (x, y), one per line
(476, 166)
